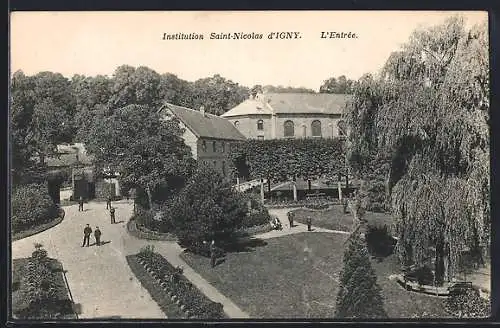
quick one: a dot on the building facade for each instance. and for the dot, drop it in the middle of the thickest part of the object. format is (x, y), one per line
(210, 137)
(289, 115)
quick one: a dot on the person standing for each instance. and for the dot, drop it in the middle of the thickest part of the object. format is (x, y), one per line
(290, 219)
(213, 253)
(97, 235)
(80, 204)
(108, 203)
(112, 215)
(309, 222)
(86, 235)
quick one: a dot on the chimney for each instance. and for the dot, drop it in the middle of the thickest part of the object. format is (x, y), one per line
(202, 110)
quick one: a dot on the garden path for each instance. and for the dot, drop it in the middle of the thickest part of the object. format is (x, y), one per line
(100, 280)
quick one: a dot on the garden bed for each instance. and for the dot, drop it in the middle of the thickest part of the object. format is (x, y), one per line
(158, 294)
(36, 229)
(170, 283)
(62, 308)
(255, 230)
(143, 233)
(302, 204)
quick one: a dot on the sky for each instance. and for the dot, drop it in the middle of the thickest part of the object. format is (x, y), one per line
(92, 43)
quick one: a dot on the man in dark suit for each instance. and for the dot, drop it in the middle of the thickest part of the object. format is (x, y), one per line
(309, 223)
(86, 235)
(108, 203)
(97, 235)
(213, 253)
(112, 215)
(80, 204)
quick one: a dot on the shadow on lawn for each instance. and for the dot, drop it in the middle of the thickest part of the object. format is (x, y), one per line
(241, 245)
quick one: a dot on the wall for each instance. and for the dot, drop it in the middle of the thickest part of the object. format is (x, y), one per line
(306, 119)
(248, 126)
(208, 156)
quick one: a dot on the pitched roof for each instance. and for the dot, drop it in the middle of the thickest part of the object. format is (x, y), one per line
(68, 155)
(292, 103)
(205, 125)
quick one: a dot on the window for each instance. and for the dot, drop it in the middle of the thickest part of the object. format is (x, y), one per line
(214, 147)
(204, 145)
(316, 128)
(289, 129)
(260, 125)
(205, 163)
(223, 147)
(260, 137)
(236, 123)
(223, 168)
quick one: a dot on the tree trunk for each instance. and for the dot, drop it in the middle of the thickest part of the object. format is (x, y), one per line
(439, 264)
(150, 200)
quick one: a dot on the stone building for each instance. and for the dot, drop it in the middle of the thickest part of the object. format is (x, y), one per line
(289, 115)
(210, 137)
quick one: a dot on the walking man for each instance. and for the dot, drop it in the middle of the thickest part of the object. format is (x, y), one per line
(97, 235)
(108, 203)
(290, 219)
(213, 255)
(309, 222)
(112, 215)
(86, 235)
(80, 204)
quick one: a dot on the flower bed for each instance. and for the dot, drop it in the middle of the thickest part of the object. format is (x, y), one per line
(143, 233)
(189, 299)
(310, 204)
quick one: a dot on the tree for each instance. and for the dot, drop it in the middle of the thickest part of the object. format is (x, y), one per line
(207, 208)
(359, 294)
(282, 89)
(147, 149)
(340, 85)
(429, 111)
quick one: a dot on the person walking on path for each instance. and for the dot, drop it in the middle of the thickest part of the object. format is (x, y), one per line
(112, 215)
(97, 235)
(309, 222)
(290, 219)
(86, 235)
(108, 203)
(80, 204)
(213, 253)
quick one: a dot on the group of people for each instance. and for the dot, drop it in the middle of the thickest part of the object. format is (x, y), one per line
(86, 236)
(87, 231)
(276, 223)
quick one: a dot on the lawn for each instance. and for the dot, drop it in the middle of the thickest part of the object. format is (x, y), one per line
(62, 308)
(296, 276)
(336, 219)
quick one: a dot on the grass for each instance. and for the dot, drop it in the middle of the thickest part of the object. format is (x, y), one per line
(36, 229)
(171, 310)
(296, 276)
(62, 308)
(336, 219)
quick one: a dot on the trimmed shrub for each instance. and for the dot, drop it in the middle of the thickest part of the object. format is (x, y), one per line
(359, 294)
(468, 304)
(207, 208)
(31, 205)
(145, 218)
(379, 241)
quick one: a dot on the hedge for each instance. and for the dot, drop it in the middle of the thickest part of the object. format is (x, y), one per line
(31, 205)
(280, 159)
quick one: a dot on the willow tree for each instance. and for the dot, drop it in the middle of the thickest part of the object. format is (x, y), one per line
(429, 110)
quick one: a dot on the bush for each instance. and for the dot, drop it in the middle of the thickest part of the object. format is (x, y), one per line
(468, 304)
(256, 219)
(31, 205)
(207, 208)
(359, 294)
(145, 218)
(379, 241)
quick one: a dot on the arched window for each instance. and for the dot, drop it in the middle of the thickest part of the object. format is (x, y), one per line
(236, 123)
(289, 129)
(316, 128)
(260, 125)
